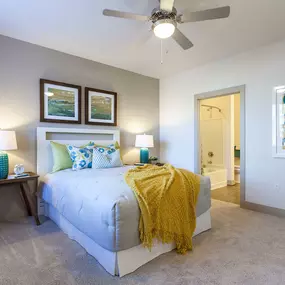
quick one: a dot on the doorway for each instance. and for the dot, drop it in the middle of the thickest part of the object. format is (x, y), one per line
(220, 142)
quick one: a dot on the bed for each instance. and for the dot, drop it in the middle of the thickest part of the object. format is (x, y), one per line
(96, 208)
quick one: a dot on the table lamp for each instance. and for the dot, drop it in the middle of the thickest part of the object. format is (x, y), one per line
(144, 142)
(7, 142)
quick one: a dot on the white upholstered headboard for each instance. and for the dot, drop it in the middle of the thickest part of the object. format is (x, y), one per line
(77, 137)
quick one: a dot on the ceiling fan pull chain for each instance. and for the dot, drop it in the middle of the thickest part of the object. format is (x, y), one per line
(161, 53)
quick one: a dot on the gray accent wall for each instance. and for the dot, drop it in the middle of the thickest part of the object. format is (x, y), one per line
(23, 64)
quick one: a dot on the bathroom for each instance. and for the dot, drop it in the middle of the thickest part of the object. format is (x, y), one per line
(220, 145)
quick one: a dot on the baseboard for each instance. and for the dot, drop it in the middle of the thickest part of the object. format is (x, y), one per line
(263, 209)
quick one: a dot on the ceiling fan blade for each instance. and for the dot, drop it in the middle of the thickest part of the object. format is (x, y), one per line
(166, 5)
(184, 42)
(211, 14)
(125, 15)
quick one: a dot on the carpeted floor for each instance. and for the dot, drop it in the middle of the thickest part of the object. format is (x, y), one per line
(229, 194)
(243, 247)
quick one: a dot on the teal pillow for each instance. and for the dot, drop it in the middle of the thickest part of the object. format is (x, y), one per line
(61, 158)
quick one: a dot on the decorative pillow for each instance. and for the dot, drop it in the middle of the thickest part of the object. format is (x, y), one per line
(80, 156)
(105, 157)
(61, 158)
(115, 145)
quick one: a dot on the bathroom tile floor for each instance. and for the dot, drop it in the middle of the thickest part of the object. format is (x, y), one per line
(229, 194)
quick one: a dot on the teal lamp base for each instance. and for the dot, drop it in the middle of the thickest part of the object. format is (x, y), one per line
(4, 165)
(144, 155)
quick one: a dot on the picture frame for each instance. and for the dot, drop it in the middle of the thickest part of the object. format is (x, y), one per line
(100, 107)
(60, 102)
(278, 122)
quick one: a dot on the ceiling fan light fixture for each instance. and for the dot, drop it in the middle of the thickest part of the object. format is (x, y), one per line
(164, 29)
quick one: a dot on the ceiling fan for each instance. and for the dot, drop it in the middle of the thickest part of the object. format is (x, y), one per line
(165, 19)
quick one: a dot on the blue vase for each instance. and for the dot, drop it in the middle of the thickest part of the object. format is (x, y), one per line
(4, 165)
(144, 155)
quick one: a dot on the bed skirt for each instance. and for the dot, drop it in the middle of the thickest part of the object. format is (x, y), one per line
(125, 261)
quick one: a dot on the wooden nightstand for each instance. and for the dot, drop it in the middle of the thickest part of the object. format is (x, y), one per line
(29, 195)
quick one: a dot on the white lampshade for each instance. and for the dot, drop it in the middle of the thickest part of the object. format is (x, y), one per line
(8, 140)
(144, 141)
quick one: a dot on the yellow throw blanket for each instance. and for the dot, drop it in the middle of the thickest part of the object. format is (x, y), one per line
(167, 199)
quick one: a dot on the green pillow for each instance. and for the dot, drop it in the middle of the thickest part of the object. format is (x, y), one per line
(61, 158)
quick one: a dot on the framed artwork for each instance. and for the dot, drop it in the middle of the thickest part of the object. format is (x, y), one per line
(60, 102)
(278, 122)
(100, 107)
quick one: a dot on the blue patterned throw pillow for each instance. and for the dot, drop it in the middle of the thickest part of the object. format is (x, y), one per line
(113, 145)
(106, 157)
(81, 157)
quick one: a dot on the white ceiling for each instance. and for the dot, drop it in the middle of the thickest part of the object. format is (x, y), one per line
(77, 27)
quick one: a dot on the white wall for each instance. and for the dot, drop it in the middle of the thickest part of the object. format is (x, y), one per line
(260, 70)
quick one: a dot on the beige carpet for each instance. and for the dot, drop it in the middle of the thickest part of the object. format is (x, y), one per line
(243, 247)
(227, 194)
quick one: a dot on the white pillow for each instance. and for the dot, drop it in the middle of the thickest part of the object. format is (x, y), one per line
(105, 157)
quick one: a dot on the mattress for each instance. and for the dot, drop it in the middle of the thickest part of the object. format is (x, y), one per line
(99, 203)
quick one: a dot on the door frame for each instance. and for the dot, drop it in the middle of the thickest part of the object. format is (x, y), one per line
(197, 150)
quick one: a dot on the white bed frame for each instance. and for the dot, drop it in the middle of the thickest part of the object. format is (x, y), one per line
(116, 263)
